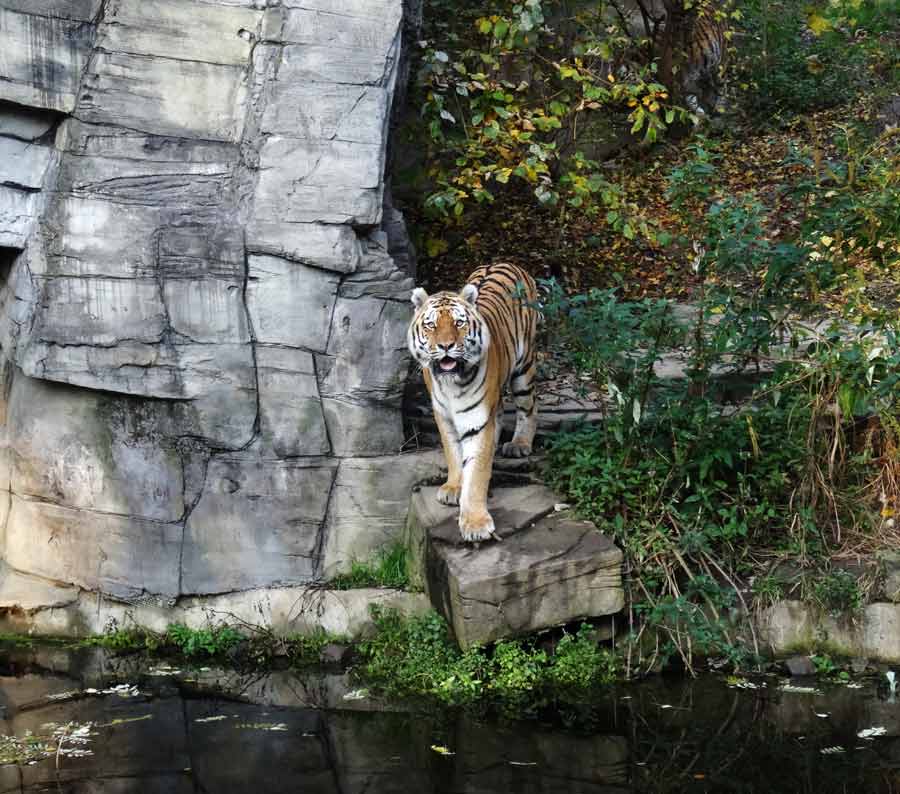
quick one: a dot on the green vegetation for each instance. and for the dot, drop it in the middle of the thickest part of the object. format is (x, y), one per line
(254, 646)
(796, 58)
(417, 657)
(387, 570)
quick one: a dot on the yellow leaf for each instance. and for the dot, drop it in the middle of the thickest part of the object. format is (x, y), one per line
(434, 246)
(826, 240)
(817, 23)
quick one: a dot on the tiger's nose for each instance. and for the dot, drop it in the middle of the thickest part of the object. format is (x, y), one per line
(446, 348)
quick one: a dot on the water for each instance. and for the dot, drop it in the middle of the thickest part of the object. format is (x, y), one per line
(213, 731)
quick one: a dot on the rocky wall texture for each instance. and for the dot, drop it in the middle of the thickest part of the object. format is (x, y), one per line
(201, 322)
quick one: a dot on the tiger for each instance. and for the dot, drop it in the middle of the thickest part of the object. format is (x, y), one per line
(471, 346)
(705, 53)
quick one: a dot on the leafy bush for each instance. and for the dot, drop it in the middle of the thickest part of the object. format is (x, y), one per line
(417, 656)
(211, 641)
(504, 89)
(837, 593)
(795, 58)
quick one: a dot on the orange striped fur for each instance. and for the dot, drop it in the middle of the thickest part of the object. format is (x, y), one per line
(471, 346)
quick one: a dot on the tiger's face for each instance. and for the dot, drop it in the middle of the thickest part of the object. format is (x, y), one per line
(447, 335)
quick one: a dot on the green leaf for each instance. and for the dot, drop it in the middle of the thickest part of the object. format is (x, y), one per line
(501, 29)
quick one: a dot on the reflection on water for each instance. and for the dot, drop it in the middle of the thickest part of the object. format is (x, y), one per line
(213, 731)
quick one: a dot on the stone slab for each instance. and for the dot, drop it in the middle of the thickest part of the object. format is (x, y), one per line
(119, 555)
(136, 91)
(42, 57)
(181, 29)
(290, 412)
(790, 627)
(22, 163)
(34, 605)
(318, 112)
(25, 593)
(82, 10)
(92, 451)
(547, 570)
(18, 212)
(289, 303)
(315, 244)
(257, 523)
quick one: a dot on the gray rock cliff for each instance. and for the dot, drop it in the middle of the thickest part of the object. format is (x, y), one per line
(202, 325)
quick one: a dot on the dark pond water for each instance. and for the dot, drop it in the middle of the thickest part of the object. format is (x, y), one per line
(128, 725)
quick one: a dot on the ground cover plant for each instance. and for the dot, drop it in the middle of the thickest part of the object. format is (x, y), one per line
(237, 644)
(417, 656)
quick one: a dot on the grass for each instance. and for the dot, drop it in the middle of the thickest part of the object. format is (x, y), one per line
(388, 569)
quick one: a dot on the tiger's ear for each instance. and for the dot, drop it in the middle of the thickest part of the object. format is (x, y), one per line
(419, 296)
(469, 293)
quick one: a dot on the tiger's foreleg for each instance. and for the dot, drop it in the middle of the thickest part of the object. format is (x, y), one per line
(475, 523)
(448, 493)
(522, 387)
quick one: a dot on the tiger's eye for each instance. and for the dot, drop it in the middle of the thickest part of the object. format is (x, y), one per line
(460, 323)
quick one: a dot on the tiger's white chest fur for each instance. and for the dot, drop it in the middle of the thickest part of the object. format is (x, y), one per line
(462, 405)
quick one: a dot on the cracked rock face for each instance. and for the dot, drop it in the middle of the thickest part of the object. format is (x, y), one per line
(201, 323)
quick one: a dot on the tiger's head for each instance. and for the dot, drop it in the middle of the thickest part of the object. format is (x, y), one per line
(447, 334)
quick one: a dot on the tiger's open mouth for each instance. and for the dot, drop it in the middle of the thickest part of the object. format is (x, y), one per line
(447, 366)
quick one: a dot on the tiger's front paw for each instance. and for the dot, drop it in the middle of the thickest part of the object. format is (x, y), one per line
(476, 526)
(448, 494)
(515, 449)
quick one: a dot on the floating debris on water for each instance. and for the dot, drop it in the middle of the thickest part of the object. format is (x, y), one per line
(800, 690)
(736, 682)
(853, 685)
(212, 719)
(163, 670)
(823, 715)
(64, 695)
(832, 750)
(871, 733)
(441, 750)
(357, 694)
(262, 726)
(522, 763)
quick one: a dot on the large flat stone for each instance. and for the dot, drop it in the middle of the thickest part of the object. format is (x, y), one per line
(18, 213)
(289, 303)
(290, 412)
(303, 182)
(318, 112)
(119, 555)
(547, 570)
(256, 524)
(182, 29)
(42, 57)
(136, 91)
(315, 244)
(29, 603)
(92, 451)
(23, 164)
(792, 626)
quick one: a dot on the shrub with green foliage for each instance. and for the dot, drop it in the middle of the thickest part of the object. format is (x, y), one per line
(795, 58)
(699, 477)
(417, 657)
